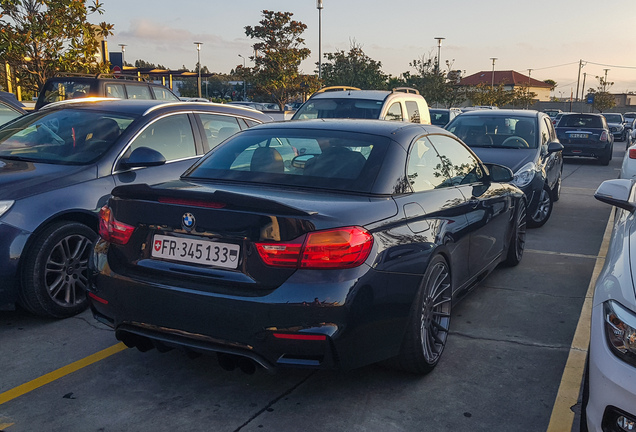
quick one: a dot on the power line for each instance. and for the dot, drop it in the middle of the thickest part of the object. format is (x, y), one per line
(612, 66)
(551, 67)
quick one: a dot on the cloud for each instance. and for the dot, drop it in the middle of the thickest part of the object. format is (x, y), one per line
(158, 34)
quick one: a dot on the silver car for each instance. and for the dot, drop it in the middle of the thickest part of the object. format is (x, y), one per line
(609, 396)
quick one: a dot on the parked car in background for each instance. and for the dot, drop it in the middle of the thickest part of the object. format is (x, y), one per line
(616, 123)
(630, 126)
(193, 99)
(400, 104)
(10, 107)
(524, 141)
(57, 168)
(362, 243)
(586, 135)
(552, 112)
(73, 86)
(442, 116)
(628, 167)
(609, 391)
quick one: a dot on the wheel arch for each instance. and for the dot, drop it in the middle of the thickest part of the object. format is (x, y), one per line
(90, 219)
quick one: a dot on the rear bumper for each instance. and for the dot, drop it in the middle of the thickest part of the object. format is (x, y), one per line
(586, 149)
(327, 319)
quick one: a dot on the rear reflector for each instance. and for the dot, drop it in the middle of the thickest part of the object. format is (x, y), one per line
(330, 249)
(298, 336)
(97, 299)
(111, 230)
(192, 203)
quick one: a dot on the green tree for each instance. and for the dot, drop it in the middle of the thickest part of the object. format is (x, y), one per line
(603, 100)
(353, 68)
(39, 38)
(142, 64)
(484, 94)
(279, 52)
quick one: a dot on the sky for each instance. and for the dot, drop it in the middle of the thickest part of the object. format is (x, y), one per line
(549, 37)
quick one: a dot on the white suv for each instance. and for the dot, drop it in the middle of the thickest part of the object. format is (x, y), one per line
(400, 104)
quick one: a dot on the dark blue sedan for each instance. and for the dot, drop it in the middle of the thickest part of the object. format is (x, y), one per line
(57, 168)
(348, 250)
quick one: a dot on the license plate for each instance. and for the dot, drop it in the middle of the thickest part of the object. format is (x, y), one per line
(578, 135)
(196, 251)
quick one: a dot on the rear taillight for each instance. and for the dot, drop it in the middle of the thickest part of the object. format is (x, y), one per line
(330, 249)
(604, 136)
(111, 230)
(632, 153)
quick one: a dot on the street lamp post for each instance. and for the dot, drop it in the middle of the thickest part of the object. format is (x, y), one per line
(319, 7)
(123, 54)
(492, 82)
(198, 44)
(439, 50)
(244, 82)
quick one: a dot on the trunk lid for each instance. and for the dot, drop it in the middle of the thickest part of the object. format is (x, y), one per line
(202, 236)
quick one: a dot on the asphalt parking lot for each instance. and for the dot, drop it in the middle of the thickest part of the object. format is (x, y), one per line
(502, 370)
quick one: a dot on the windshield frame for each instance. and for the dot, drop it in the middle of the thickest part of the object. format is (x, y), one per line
(68, 136)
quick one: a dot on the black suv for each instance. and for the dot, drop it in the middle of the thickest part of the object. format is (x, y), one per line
(72, 86)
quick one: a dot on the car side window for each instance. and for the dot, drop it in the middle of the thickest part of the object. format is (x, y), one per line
(171, 136)
(545, 132)
(115, 91)
(138, 91)
(413, 111)
(394, 113)
(424, 169)
(459, 167)
(218, 127)
(162, 93)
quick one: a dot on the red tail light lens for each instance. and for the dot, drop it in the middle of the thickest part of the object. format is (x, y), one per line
(111, 230)
(632, 153)
(330, 249)
(604, 136)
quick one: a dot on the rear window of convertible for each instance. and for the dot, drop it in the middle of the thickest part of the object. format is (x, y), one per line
(307, 158)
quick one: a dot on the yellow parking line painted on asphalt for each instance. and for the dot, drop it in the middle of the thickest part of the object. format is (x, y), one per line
(562, 417)
(61, 372)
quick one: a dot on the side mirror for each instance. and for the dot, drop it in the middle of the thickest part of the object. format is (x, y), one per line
(143, 157)
(500, 173)
(554, 147)
(617, 192)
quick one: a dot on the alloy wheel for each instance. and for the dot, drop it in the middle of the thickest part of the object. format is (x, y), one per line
(66, 271)
(435, 313)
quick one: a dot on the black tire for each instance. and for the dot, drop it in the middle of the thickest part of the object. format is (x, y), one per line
(544, 209)
(607, 157)
(518, 236)
(55, 270)
(429, 321)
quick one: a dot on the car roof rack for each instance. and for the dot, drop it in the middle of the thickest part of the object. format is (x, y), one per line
(336, 88)
(100, 75)
(405, 90)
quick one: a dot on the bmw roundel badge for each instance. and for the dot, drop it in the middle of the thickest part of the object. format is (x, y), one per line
(188, 221)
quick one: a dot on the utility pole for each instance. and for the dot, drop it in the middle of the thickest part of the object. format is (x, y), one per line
(439, 52)
(578, 80)
(605, 80)
(583, 89)
(319, 7)
(492, 82)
